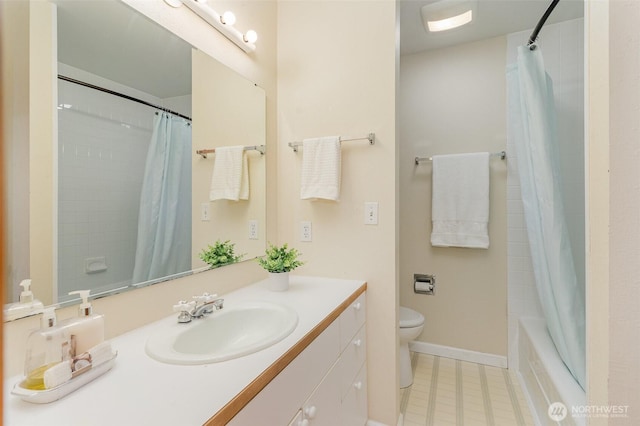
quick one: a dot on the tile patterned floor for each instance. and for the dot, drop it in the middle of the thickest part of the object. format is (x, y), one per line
(458, 393)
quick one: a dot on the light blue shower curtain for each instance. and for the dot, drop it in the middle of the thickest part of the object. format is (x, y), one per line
(164, 222)
(533, 132)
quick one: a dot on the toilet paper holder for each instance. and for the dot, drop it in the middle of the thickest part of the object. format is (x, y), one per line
(424, 283)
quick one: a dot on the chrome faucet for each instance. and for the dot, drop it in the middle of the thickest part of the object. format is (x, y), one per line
(201, 306)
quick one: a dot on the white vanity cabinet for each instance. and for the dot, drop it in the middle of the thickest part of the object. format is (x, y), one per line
(325, 385)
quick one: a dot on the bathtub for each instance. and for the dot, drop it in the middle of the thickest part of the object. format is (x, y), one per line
(544, 376)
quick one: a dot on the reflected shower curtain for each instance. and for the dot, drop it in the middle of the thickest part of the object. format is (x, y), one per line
(532, 129)
(164, 222)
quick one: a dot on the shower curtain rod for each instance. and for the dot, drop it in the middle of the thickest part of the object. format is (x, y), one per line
(121, 95)
(534, 34)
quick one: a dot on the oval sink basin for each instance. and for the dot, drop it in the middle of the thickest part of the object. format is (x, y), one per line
(225, 334)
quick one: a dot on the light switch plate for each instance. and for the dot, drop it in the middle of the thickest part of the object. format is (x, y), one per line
(205, 212)
(371, 213)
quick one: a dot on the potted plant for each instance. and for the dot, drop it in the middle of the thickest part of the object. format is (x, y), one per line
(278, 261)
(220, 254)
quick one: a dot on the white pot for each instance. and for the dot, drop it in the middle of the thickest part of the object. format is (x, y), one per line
(278, 281)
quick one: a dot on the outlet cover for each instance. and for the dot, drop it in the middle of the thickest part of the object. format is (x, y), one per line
(253, 229)
(305, 231)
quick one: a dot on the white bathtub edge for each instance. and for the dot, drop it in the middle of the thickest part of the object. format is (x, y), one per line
(564, 386)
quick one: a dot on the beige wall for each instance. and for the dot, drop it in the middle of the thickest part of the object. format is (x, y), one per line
(28, 102)
(624, 208)
(42, 131)
(452, 100)
(337, 76)
(597, 172)
(14, 43)
(228, 110)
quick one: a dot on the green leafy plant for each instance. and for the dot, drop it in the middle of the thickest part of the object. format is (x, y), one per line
(280, 259)
(220, 254)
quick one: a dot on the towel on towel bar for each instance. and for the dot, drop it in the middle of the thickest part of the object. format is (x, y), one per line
(230, 178)
(460, 203)
(321, 163)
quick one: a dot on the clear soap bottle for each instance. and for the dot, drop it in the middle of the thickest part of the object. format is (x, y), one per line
(46, 348)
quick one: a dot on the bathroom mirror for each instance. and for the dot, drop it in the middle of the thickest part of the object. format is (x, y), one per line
(100, 165)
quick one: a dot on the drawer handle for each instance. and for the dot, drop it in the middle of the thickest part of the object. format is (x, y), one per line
(311, 412)
(357, 385)
(357, 343)
(357, 306)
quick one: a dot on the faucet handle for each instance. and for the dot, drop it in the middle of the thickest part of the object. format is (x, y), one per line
(205, 298)
(183, 306)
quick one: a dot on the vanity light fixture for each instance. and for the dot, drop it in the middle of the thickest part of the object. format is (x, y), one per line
(448, 14)
(228, 18)
(223, 23)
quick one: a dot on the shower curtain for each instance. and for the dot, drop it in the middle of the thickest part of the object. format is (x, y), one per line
(532, 130)
(164, 222)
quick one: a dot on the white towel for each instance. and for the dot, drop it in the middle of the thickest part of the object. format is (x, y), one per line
(230, 178)
(460, 204)
(321, 162)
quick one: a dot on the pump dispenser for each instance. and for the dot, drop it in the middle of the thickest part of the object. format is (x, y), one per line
(87, 330)
(26, 306)
(48, 319)
(85, 308)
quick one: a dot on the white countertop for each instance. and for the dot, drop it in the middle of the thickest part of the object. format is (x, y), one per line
(139, 390)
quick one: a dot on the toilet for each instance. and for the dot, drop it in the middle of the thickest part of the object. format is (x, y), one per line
(411, 325)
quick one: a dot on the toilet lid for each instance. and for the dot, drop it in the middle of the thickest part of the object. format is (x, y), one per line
(410, 318)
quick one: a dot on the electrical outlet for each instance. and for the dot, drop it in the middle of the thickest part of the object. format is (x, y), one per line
(305, 231)
(371, 213)
(253, 229)
(205, 212)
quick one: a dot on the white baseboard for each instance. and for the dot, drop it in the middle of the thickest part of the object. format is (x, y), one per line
(461, 354)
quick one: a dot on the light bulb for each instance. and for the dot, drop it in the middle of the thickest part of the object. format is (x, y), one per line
(250, 36)
(228, 18)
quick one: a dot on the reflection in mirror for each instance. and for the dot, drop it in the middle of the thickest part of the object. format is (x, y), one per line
(129, 190)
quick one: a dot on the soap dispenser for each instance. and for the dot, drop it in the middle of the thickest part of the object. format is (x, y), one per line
(86, 330)
(63, 356)
(46, 348)
(26, 306)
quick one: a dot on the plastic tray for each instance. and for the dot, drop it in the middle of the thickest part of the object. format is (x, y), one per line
(54, 394)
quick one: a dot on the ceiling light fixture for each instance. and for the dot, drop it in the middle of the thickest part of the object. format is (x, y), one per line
(222, 23)
(448, 14)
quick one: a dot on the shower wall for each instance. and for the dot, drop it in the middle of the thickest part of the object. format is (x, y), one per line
(453, 100)
(562, 47)
(102, 147)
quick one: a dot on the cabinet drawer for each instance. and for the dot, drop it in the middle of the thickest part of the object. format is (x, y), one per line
(278, 402)
(354, 404)
(352, 359)
(323, 406)
(351, 320)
